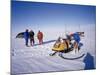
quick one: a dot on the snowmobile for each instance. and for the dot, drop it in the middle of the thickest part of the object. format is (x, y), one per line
(64, 46)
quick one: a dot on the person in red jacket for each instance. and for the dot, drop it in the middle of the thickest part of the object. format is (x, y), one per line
(40, 37)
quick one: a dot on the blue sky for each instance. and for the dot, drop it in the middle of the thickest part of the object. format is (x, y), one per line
(50, 15)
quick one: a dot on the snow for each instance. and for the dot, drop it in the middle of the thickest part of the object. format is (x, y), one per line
(36, 59)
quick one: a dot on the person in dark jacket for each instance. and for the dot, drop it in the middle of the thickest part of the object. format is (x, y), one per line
(26, 36)
(32, 38)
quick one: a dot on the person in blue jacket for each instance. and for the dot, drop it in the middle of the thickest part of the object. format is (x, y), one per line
(76, 38)
(26, 36)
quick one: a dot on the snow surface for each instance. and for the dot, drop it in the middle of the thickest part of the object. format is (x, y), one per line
(36, 59)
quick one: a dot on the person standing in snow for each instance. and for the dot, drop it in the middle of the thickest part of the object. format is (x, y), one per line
(26, 36)
(40, 37)
(76, 38)
(31, 37)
